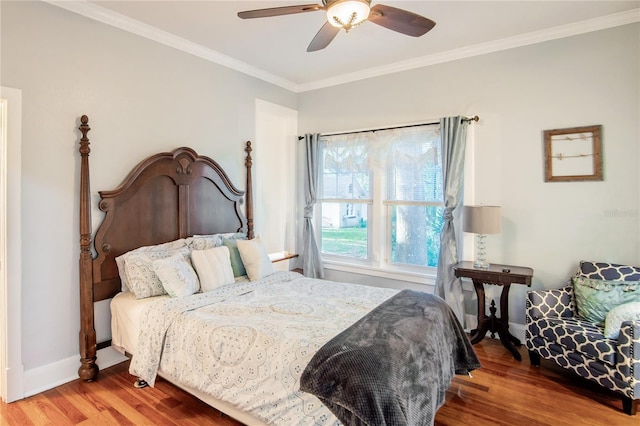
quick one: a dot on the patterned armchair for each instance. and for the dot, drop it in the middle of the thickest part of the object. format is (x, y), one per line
(556, 332)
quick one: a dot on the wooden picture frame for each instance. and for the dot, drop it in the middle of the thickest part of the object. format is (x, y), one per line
(573, 154)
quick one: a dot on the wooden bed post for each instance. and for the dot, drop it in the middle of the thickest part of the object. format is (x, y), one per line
(88, 370)
(249, 194)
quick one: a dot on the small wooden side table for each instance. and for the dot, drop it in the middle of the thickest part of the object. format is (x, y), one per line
(497, 274)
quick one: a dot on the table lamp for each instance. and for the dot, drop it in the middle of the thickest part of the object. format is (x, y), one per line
(481, 220)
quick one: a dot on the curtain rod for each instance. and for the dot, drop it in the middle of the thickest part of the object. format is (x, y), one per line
(474, 118)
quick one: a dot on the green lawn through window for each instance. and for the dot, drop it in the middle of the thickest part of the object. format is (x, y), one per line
(345, 242)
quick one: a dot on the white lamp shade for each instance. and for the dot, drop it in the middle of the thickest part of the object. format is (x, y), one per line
(341, 12)
(482, 219)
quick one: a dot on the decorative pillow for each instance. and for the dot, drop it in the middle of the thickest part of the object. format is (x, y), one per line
(255, 258)
(176, 275)
(609, 271)
(595, 298)
(141, 276)
(120, 260)
(618, 315)
(213, 267)
(234, 255)
(203, 242)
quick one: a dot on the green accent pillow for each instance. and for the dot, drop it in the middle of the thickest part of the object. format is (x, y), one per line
(618, 315)
(595, 298)
(234, 255)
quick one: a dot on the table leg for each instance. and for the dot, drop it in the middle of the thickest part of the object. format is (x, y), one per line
(507, 343)
(483, 322)
(507, 339)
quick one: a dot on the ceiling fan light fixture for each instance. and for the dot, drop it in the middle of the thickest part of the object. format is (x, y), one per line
(348, 13)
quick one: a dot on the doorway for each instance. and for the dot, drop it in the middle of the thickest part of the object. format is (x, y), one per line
(275, 184)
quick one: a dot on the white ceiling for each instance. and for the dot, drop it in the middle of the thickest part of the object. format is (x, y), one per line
(274, 49)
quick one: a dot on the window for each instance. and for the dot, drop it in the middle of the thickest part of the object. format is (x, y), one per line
(381, 197)
(346, 198)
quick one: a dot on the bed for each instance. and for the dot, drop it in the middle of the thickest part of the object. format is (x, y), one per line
(275, 348)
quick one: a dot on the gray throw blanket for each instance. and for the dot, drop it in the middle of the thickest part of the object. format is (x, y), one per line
(394, 365)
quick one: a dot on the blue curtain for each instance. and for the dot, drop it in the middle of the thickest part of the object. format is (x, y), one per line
(311, 259)
(453, 131)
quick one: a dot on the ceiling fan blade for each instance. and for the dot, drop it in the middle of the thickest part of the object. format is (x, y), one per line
(277, 11)
(322, 39)
(400, 20)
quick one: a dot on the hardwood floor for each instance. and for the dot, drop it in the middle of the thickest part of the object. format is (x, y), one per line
(503, 392)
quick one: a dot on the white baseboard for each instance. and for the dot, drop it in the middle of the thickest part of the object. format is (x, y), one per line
(108, 357)
(15, 388)
(58, 373)
(518, 330)
(51, 375)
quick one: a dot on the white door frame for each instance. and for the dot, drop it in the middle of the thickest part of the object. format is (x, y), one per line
(11, 368)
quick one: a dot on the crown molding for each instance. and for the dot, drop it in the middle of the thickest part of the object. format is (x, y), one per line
(106, 16)
(568, 30)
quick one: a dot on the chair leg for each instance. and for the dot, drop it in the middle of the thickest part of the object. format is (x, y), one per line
(629, 406)
(534, 358)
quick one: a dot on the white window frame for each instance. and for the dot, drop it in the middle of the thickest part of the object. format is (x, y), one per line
(378, 234)
(333, 258)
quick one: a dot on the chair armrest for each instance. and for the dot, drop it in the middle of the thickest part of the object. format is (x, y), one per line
(550, 303)
(628, 354)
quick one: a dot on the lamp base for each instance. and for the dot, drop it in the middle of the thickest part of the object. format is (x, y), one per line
(480, 261)
(481, 265)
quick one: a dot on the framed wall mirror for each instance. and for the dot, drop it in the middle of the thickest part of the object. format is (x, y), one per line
(573, 154)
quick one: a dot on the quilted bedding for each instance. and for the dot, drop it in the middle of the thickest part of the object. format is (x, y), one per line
(249, 343)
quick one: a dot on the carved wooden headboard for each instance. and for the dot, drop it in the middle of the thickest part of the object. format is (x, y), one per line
(167, 196)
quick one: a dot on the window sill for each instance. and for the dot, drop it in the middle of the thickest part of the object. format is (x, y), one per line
(424, 278)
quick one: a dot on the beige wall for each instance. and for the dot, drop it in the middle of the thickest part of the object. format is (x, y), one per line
(576, 81)
(141, 98)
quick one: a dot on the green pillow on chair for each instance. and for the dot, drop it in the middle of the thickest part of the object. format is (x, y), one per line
(595, 298)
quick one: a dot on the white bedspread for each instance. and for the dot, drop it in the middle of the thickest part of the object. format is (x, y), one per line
(249, 343)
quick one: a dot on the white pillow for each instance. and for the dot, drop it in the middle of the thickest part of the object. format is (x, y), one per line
(141, 276)
(177, 275)
(213, 266)
(120, 260)
(616, 316)
(255, 258)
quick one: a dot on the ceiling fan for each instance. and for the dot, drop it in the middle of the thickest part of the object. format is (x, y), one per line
(347, 14)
